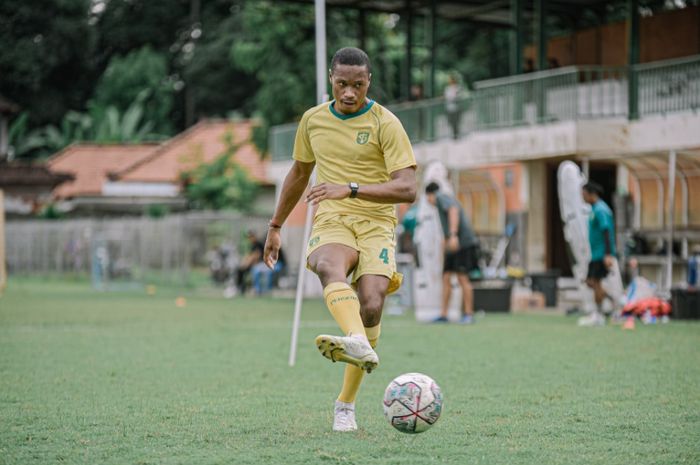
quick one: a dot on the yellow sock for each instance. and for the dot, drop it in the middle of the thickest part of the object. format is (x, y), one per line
(373, 334)
(352, 379)
(344, 305)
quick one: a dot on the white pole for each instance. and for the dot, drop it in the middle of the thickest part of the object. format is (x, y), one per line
(321, 96)
(671, 215)
(321, 66)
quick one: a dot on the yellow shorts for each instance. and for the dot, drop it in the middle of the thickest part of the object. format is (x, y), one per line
(372, 238)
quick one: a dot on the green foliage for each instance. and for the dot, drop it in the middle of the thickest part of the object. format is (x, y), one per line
(127, 25)
(217, 86)
(157, 211)
(46, 56)
(77, 66)
(100, 124)
(276, 45)
(127, 78)
(50, 212)
(111, 125)
(23, 141)
(221, 184)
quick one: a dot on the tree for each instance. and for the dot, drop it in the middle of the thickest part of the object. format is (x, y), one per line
(276, 45)
(218, 87)
(221, 184)
(46, 56)
(123, 26)
(100, 124)
(128, 77)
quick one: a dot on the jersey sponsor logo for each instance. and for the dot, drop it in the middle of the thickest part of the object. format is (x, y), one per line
(362, 137)
(314, 241)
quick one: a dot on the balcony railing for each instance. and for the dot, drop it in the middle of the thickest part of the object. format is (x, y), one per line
(281, 141)
(565, 94)
(668, 86)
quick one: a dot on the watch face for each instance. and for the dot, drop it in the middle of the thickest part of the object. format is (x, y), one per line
(353, 185)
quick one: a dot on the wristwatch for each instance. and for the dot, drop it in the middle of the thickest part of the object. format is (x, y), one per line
(353, 189)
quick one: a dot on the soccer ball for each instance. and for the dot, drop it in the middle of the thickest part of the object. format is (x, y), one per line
(412, 402)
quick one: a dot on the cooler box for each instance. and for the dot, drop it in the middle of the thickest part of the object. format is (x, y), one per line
(492, 295)
(685, 304)
(546, 283)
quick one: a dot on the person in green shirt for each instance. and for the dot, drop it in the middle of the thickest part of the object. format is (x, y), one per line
(601, 237)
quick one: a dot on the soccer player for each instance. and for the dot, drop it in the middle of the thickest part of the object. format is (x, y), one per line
(365, 165)
(601, 236)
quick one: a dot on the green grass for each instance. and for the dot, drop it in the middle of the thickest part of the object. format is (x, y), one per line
(124, 378)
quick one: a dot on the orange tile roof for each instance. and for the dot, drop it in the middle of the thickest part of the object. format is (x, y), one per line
(91, 165)
(202, 143)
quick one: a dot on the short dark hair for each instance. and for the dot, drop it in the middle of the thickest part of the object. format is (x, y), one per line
(593, 187)
(432, 187)
(350, 56)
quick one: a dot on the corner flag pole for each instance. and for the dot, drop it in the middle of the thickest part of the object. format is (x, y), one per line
(321, 69)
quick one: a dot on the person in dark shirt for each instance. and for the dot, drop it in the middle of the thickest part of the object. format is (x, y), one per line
(601, 237)
(253, 257)
(460, 251)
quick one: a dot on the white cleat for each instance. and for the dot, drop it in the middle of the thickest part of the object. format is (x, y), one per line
(344, 417)
(594, 319)
(348, 349)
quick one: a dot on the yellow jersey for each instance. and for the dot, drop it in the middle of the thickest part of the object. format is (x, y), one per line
(363, 147)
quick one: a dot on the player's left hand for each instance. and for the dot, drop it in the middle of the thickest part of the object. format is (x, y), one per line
(324, 191)
(608, 261)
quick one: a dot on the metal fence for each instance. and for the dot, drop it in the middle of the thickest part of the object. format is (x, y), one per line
(565, 94)
(281, 141)
(126, 249)
(667, 86)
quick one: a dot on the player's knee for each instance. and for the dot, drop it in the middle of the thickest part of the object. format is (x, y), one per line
(371, 310)
(327, 271)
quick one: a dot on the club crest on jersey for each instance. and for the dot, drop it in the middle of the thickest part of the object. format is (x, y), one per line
(362, 137)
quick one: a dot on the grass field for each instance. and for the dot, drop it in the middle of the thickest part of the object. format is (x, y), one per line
(132, 379)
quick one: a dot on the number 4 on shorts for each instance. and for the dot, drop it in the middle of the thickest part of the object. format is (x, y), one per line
(384, 255)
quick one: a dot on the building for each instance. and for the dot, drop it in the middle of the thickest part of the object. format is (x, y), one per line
(28, 187)
(623, 104)
(130, 178)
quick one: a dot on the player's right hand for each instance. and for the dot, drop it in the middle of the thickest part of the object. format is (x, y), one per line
(272, 247)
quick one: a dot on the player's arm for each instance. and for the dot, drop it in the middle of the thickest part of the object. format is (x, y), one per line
(400, 189)
(294, 185)
(453, 228)
(608, 259)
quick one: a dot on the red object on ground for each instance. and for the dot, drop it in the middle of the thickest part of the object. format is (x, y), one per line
(657, 307)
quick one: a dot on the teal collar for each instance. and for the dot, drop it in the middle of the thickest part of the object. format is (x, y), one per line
(361, 111)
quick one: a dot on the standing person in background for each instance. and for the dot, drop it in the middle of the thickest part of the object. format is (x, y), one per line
(461, 248)
(452, 92)
(365, 165)
(601, 236)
